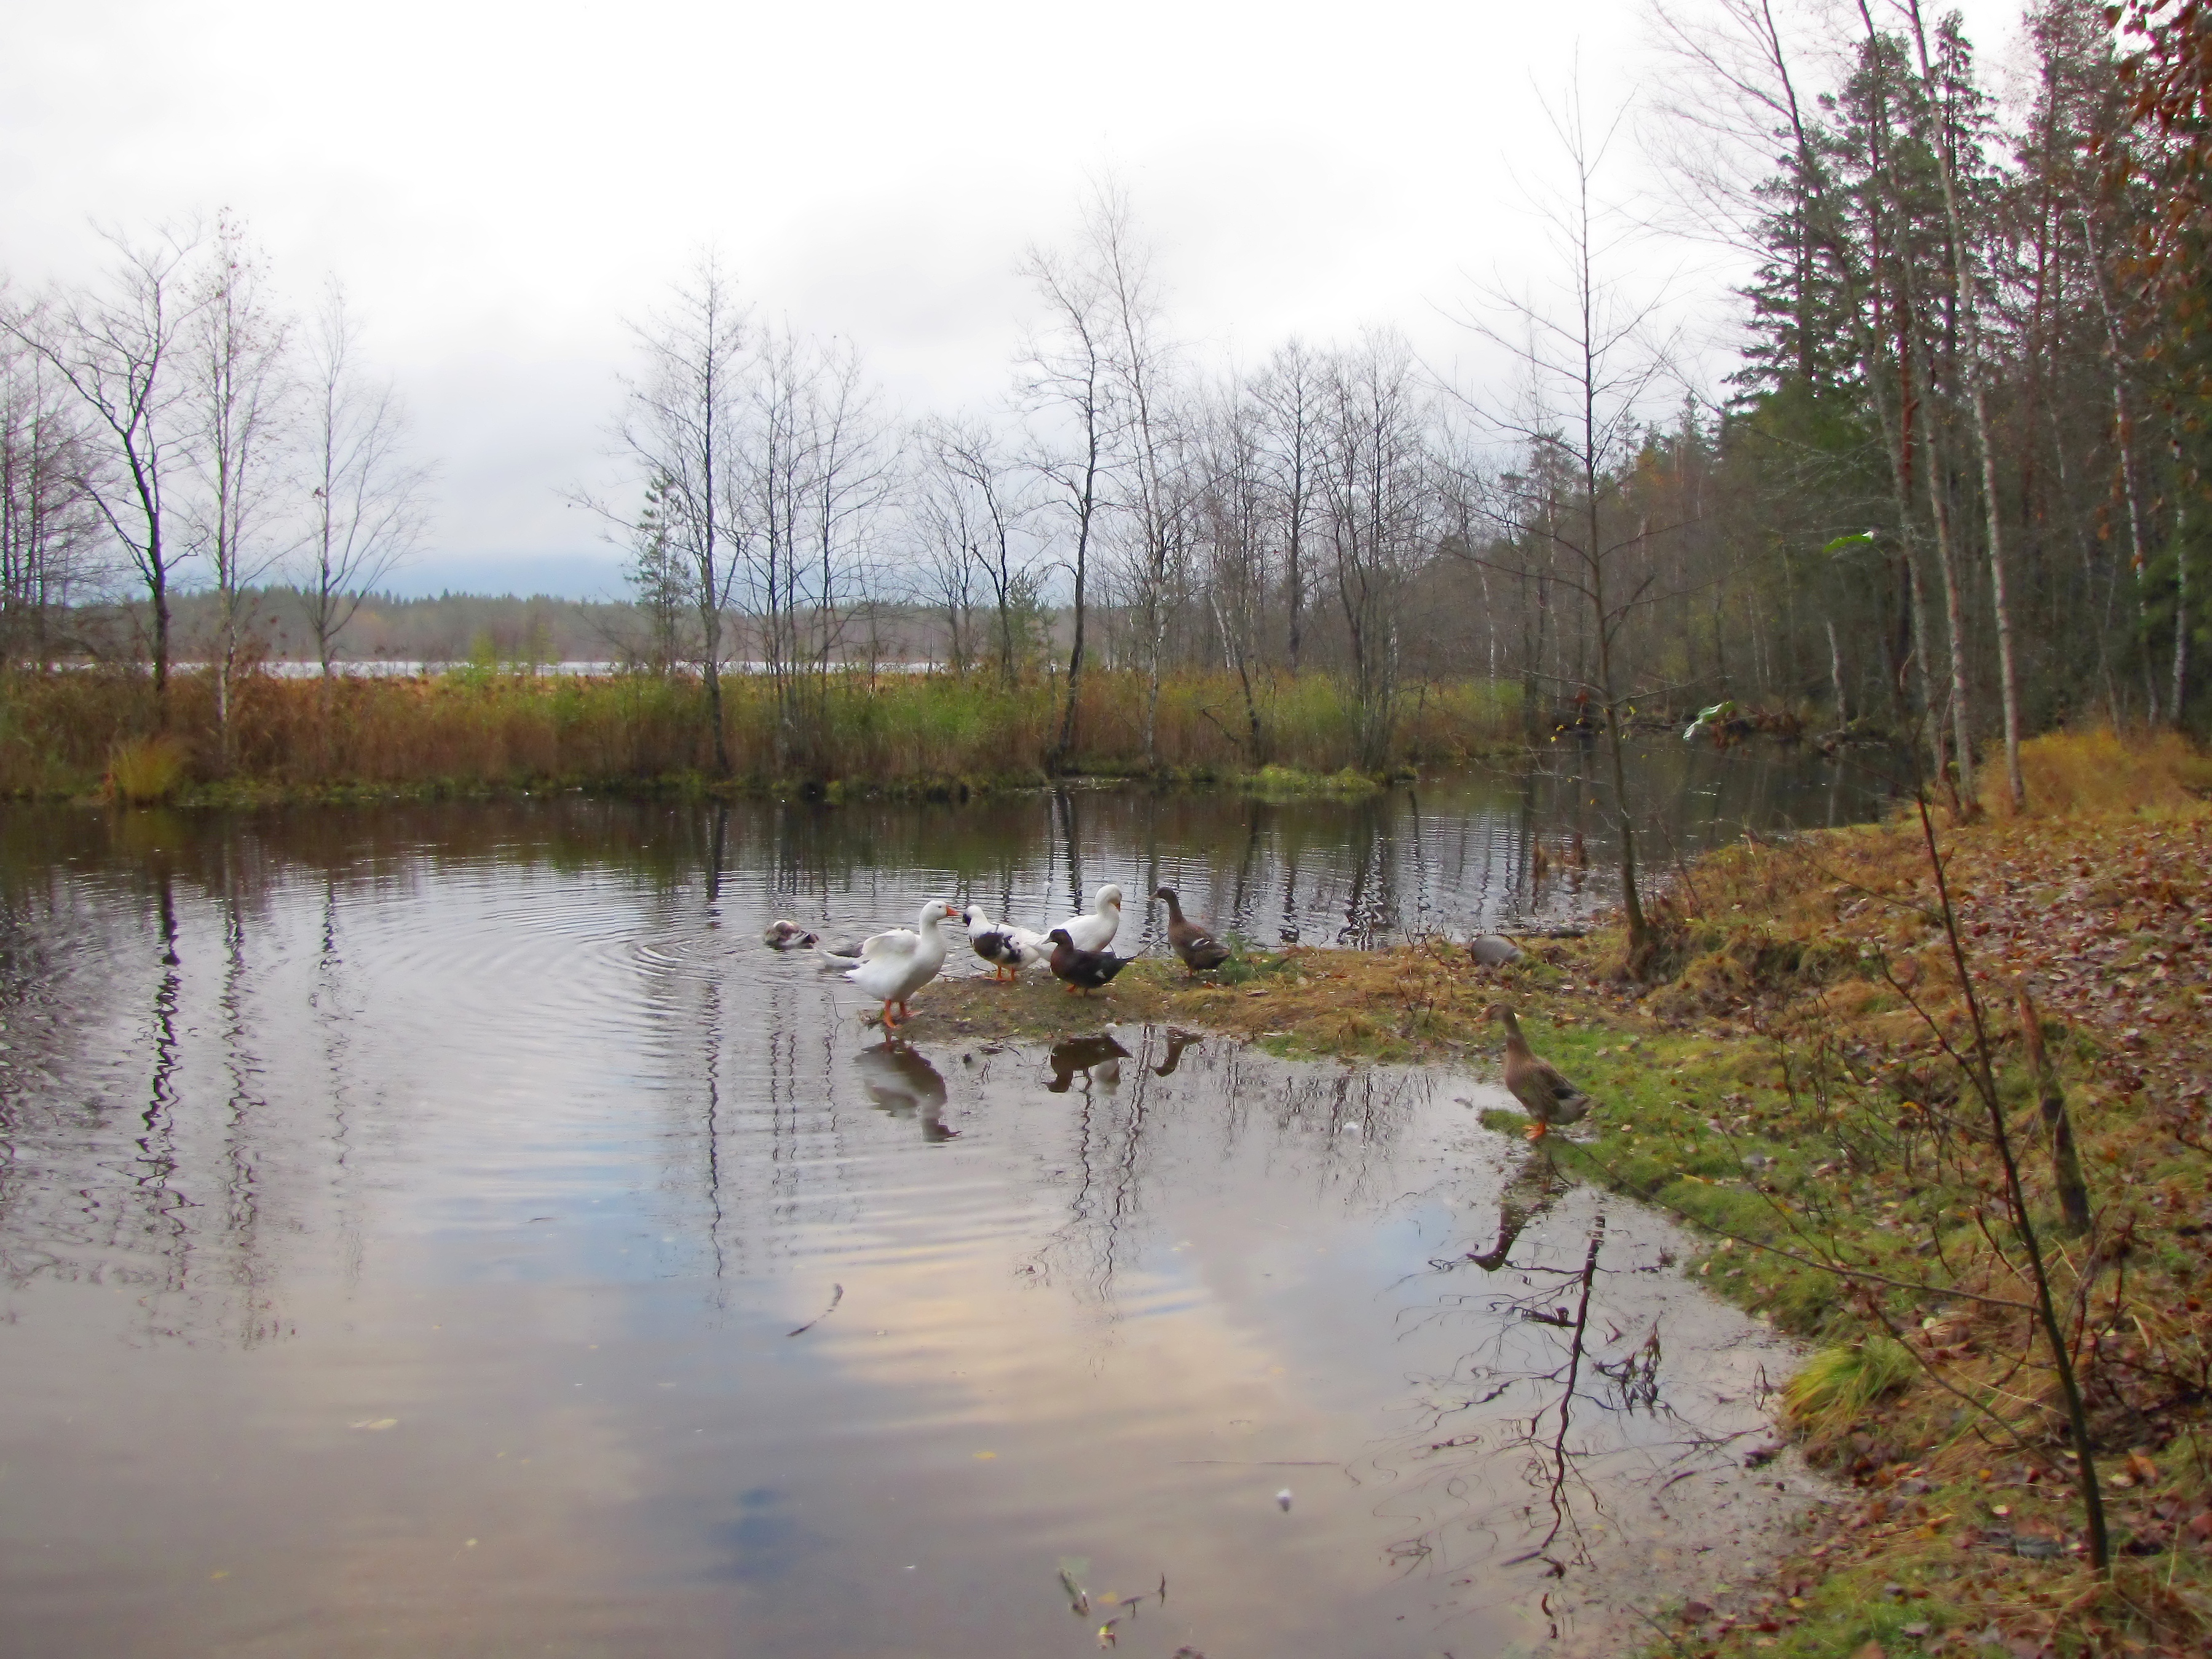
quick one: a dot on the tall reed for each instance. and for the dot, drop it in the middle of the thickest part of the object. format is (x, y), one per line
(474, 729)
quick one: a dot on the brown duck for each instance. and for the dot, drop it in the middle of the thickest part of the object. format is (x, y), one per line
(1547, 1097)
(1082, 970)
(1199, 950)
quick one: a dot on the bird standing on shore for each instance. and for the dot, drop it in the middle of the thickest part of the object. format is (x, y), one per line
(1201, 951)
(1081, 970)
(1545, 1095)
(1007, 948)
(896, 964)
(1094, 929)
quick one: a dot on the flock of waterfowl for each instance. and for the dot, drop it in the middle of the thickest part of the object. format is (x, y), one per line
(892, 965)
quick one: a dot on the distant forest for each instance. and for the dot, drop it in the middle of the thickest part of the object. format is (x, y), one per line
(1954, 485)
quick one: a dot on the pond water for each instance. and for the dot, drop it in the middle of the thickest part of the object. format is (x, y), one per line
(444, 1230)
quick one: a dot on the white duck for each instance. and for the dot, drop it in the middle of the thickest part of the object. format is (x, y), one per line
(1096, 931)
(1007, 948)
(894, 965)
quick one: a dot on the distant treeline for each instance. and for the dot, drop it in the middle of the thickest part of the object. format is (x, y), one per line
(439, 632)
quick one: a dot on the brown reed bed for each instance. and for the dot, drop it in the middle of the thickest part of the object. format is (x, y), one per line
(63, 735)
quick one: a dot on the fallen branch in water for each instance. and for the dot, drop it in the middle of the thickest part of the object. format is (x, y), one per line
(836, 1295)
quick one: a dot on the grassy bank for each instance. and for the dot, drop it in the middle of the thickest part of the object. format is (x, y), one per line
(63, 735)
(1794, 1088)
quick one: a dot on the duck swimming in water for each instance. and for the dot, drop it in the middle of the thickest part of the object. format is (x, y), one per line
(1201, 951)
(788, 936)
(1095, 929)
(1008, 949)
(1082, 970)
(894, 965)
(1545, 1095)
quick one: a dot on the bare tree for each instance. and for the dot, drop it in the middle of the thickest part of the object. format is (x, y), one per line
(964, 459)
(49, 528)
(112, 346)
(1143, 368)
(1376, 493)
(1289, 391)
(1067, 377)
(854, 466)
(1593, 369)
(235, 375)
(368, 498)
(1236, 513)
(679, 428)
(949, 527)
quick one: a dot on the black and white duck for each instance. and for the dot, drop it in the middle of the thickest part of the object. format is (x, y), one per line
(1081, 970)
(1007, 948)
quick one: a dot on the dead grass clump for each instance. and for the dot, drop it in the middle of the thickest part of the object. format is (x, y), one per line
(144, 771)
(2070, 774)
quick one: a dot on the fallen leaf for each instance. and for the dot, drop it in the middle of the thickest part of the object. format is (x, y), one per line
(1870, 1650)
(2141, 1468)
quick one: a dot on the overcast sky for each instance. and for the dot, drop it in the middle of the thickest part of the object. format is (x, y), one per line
(500, 185)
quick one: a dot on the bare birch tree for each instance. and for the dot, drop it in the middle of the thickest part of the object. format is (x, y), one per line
(1067, 375)
(236, 392)
(368, 498)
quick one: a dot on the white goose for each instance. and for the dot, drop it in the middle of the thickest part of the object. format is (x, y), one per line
(1007, 948)
(1096, 931)
(894, 965)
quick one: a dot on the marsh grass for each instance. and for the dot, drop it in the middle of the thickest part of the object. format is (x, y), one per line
(484, 727)
(2069, 773)
(145, 771)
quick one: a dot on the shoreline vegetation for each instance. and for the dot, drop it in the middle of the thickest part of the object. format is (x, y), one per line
(90, 734)
(1793, 1085)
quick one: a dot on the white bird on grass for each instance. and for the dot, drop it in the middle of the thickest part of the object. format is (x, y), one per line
(894, 965)
(1095, 929)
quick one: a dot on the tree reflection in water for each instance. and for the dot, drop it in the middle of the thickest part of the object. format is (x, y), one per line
(1573, 1418)
(1343, 1112)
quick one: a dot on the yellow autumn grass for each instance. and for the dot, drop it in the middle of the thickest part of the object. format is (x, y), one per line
(2070, 774)
(143, 771)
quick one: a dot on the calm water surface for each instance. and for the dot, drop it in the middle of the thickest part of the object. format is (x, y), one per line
(447, 1230)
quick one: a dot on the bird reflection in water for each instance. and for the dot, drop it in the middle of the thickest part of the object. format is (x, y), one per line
(1534, 1186)
(901, 1082)
(1177, 1042)
(1098, 1058)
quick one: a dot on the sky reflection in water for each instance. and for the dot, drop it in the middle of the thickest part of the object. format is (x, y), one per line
(407, 1212)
